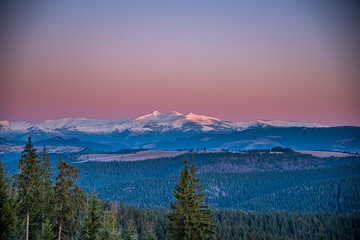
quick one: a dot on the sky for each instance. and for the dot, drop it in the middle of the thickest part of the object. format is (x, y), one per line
(234, 60)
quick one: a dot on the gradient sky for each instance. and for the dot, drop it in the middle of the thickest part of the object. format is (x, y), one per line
(235, 60)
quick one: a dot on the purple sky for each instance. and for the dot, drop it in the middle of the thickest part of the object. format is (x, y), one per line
(235, 60)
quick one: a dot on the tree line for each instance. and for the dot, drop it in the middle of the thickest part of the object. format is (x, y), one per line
(34, 204)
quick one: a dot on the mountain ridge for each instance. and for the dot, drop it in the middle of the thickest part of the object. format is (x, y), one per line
(172, 119)
(175, 130)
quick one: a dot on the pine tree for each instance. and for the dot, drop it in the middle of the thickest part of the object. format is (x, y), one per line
(132, 233)
(18, 229)
(179, 217)
(201, 216)
(68, 196)
(47, 190)
(28, 182)
(189, 218)
(47, 231)
(115, 232)
(106, 225)
(92, 226)
(110, 229)
(6, 213)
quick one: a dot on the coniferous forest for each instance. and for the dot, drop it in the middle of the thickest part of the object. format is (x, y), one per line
(47, 199)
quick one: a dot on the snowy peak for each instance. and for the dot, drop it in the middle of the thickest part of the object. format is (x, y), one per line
(154, 114)
(176, 121)
(4, 123)
(201, 118)
(154, 122)
(62, 123)
(14, 126)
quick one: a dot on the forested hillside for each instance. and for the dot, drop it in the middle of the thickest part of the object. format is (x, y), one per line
(260, 180)
(278, 194)
(236, 180)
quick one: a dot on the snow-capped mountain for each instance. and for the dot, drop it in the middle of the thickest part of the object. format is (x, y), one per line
(147, 128)
(149, 122)
(174, 131)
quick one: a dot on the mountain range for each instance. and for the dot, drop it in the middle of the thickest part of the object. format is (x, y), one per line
(171, 130)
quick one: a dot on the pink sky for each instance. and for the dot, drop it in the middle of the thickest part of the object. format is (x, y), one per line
(284, 64)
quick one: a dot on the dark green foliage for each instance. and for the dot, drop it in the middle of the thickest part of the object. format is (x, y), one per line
(110, 228)
(179, 217)
(304, 183)
(105, 173)
(68, 198)
(6, 212)
(46, 188)
(18, 230)
(235, 190)
(201, 214)
(28, 183)
(102, 174)
(283, 225)
(336, 195)
(280, 149)
(131, 231)
(47, 232)
(189, 218)
(91, 226)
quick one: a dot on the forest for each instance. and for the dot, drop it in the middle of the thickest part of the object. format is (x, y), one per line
(296, 197)
(255, 180)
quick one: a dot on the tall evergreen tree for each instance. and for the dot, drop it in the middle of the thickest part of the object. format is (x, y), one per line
(189, 218)
(131, 233)
(18, 229)
(28, 183)
(47, 231)
(92, 226)
(179, 218)
(68, 196)
(106, 225)
(110, 229)
(6, 213)
(47, 190)
(115, 231)
(201, 216)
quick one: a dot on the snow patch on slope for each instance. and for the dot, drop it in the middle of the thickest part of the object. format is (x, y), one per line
(200, 118)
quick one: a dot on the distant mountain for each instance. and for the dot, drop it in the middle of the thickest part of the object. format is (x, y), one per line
(153, 122)
(174, 130)
(75, 142)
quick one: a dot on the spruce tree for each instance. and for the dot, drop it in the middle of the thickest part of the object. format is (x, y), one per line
(106, 225)
(115, 230)
(6, 213)
(190, 218)
(92, 226)
(179, 218)
(110, 229)
(28, 183)
(47, 231)
(47, 190)
(132, 233)
(18, 230)
(68, 197)
(201, 216)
